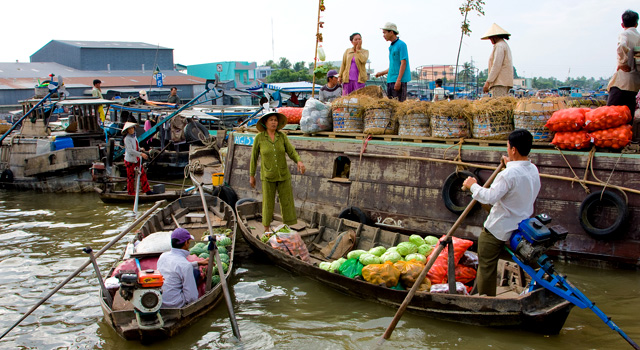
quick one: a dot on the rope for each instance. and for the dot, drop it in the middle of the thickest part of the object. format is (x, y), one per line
(575, 176)
(190, 168)
(604, 187)
(457, 158)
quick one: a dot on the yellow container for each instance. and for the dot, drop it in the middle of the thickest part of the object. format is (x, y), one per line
(217, 179)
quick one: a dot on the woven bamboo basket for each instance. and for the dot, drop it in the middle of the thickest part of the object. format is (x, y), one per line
(492, 127)
(415, 125)
(533, 114)
(449, 127)
(347, 119)
(379, 121)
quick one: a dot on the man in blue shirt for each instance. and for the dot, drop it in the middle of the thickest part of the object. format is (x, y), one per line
(399, 73)
(179, 288)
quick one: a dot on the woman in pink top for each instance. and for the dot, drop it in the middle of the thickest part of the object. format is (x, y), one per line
(353, 73)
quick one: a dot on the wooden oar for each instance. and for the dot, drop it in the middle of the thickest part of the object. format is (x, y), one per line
(434, 256)
(223, 280)
(135, 202)
(83, 266)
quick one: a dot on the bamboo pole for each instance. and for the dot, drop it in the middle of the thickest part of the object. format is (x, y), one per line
(315, 56)
(488, 167)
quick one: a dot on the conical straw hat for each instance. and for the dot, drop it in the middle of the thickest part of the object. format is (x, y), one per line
(493, 31)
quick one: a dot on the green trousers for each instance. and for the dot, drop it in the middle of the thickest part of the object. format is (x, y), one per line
(489, 251)
(285, 194)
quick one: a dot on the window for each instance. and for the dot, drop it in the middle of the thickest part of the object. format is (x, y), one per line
(341, 167)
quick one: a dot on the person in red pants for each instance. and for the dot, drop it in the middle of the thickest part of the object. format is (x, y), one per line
(132, 156)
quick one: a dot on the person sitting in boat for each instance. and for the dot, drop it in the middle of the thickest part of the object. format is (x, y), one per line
(512, 195)
(271, 145)
(333, 88)
(173, 96)
(132, 156)
(180, 275)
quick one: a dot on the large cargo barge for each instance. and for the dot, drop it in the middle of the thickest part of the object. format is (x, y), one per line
(408, 183)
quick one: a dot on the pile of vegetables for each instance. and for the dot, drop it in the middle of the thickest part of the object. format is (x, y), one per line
(577, 128)
(201, 251)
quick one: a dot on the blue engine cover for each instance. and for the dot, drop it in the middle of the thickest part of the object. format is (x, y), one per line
(533, 230)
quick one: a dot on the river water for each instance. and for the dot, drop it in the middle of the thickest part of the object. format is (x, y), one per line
(41, 241)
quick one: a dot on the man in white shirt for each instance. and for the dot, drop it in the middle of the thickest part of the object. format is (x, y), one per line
(179, 288)
(438, 92)
(625, 82)
(512, 195)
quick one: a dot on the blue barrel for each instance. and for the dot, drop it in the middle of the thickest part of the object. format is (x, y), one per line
(62, 143)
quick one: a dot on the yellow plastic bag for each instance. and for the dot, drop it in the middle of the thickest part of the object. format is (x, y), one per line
(409, 273)
(381, 274)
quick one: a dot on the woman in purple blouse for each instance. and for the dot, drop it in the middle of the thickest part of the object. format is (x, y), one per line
(353, 73)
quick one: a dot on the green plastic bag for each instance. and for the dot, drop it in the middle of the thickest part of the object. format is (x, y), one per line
(351, 268)
(398, 286)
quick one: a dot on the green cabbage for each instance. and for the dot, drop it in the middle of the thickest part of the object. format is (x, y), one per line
(392, 256)
(368, 259)
(355, 254)
(431, 240)
(392, 249)
(417, 240)
(415, 256)
(425, 249)
(325, 266)
(336, 264)
(406, 248)
(377, 251)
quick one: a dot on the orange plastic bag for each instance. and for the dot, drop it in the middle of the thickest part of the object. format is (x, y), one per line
(570, 119)
(385, 273)
(438, 272)
(290, 243)
(293, 114)
(409, 273)
(606, 117)
(572, 140)
(465, 274)
(615, 138)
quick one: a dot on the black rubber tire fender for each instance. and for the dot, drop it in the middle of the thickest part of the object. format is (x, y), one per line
(453, 184)
(593, 199)
(354, 214)
(193, 130)
(6, 176)
(227, 194)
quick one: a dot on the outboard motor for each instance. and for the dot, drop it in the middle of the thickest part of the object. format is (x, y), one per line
(533, 238)
(143, 289)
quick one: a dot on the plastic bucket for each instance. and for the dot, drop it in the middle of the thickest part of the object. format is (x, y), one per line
(217, 179)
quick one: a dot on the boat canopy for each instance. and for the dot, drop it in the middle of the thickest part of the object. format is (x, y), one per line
(298, 86)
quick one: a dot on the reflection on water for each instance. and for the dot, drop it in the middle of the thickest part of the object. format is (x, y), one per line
(41, 241)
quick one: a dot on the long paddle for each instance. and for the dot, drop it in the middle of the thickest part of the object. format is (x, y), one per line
(135, 202)
(434, 256)
(83, 266)
(223, 280)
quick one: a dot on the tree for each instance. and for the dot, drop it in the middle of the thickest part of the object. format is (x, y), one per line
(288, 75)
(467, 6)
(299, 66)
(271, 64)
(284, 63)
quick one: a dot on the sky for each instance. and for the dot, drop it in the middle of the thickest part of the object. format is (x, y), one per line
(549, 38)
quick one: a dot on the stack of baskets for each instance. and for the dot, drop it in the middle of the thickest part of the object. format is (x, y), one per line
(533, 113)
(493, 118)
(413, 117)
(347, 116)
(450, 119)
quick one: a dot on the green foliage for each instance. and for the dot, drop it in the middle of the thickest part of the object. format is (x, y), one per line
(470, 6)
(271, 64)
(284, 63)
(288, 75)
(299, 66)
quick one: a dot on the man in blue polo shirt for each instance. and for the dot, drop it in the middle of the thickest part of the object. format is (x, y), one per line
(399, 73)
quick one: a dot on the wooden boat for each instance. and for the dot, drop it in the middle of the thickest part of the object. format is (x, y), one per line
(188, 212)
(124, 197)
(396, 180)
(538, 311)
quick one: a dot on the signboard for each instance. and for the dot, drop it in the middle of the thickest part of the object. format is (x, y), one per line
(245, 140)
(219, 67)
(158, 77)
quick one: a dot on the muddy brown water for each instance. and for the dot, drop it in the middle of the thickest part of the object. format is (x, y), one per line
(41, 241)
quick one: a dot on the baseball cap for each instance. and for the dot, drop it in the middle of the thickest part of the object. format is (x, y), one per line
(182, 235)
(332, 73)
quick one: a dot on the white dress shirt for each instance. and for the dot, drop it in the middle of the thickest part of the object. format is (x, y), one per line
(512, 195)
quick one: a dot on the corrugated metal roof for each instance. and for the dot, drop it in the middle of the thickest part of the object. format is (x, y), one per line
(111, 44)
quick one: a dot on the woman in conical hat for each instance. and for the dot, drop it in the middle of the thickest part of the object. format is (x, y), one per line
(132, 156)
(272, 146)
(500, 77)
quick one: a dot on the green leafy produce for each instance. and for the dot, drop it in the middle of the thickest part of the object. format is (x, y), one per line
(415, 256)
(368, 258)
(336, 264)
(325, 266)
(377, 251)
(224, 258)
(355, 254)
(204, 256)
(406, 248)
(431, 240)
(284, 229)
(392, 256)
(417, 240)
(265, 237)
(392, 249)
(215, 280)
(425, 249)
(223, 242)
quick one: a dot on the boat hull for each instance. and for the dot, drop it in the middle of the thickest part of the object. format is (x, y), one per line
(540, 311)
